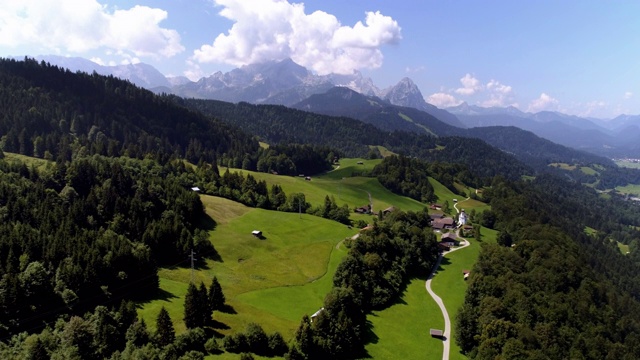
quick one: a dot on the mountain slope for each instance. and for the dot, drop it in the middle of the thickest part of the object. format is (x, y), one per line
(50, 112)
(340, 101)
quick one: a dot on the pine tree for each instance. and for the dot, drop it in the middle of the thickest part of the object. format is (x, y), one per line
(216, 296)
(165, 334)
(203, 305)
(195, 308)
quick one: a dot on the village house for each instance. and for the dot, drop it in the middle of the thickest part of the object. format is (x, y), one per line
(363, 209)
(388, 210)
(443, 223)
(435, 207)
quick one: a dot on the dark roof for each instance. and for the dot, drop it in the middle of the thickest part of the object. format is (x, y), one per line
(450, 235)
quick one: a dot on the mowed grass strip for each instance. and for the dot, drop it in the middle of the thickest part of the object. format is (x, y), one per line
(449, 282)
(402, 330)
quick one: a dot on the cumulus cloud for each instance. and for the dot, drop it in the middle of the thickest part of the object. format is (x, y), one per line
(443, 100)
(500, 95)
(276, 29)
(81, 25)
(628, 95)
(544, 102)
(470, 85)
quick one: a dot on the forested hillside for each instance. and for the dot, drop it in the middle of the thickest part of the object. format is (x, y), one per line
(557, 292)
(276, 124)
(52, 113)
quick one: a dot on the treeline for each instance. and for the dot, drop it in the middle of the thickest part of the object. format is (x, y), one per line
(52, 113)
(410, 177)
(87, 232)
(276, 124)
(558, 293)
(377, 268)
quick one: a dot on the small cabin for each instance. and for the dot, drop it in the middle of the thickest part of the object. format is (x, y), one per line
(256, 233)
(195, 188)
(436, 333)
(360, 163)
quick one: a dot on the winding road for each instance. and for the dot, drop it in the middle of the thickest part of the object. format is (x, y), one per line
(447, 322)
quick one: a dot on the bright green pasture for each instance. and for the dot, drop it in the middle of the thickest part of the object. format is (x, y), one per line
(628, 164)
(444, 194)
(353, 191)
(449, 282)
(29, 161)
(587, 170)
(290, 302)
(296, 252)
(631, 189)
(402, 330)
(624, 249)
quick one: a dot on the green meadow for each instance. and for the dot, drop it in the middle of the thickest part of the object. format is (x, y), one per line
(402, 331)
(276, 280)
(628, 164)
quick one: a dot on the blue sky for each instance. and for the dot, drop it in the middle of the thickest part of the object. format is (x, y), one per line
(577, 57)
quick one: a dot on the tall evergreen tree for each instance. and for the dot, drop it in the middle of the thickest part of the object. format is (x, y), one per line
(216, 297)
(195, 308)
(165, 334)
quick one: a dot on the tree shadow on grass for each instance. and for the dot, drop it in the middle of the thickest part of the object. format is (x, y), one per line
(160, 294)
(369, 337)
(215, 324)
(206, 222)
(444, 261)
(228, 309)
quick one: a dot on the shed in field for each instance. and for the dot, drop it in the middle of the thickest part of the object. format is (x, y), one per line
(436, 333)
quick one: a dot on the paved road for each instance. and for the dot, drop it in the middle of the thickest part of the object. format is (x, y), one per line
(447, 322)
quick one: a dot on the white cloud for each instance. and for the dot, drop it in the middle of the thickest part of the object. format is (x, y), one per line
(275, 29)
(78, 26)
(470, 84)
(544, 102)
(500, 95)
(414, 70)
(628, 95)
(443, 100)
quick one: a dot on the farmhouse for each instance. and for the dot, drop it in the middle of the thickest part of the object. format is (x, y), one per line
(467, 230)
(436, 216)
(443, 247)
(449, 239)
(443, 223)
(388, 210)
(363, 209)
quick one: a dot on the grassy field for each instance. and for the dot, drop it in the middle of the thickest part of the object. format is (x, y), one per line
(297, 253)
(39, 164)
(343, 186)
(563, 166)
(628, 164)
(275, 281)
(624, 249)
(630, 189)
(402, 331)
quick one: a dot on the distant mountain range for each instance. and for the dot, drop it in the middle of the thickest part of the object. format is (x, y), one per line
(287, 83)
